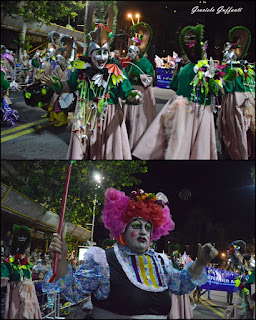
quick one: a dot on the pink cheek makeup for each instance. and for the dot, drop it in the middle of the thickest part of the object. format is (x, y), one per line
(133, 234)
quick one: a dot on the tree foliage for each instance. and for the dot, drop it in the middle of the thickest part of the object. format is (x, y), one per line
(44, 181)
(45, 11)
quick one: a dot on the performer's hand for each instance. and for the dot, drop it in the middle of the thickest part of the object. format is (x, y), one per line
(206, 253)
(58, 246)
(47, 81)
(134, 97)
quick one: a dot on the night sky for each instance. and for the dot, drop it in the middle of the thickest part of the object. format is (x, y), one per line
(222, 194)
(168, 18)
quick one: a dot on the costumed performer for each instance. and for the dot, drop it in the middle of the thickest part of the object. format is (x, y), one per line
(17, 288)
(61, 103)
(140, 73)
(9, 116)
(130, 280)
(98, 132)
(244, 299)
(35, 65)
(237, 117)
(181, 307)
(184, 128)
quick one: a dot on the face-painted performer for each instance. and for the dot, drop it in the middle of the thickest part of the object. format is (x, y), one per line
(99, 131)
(130, 279)
(176, 132)
(18, 291)
(140, 72)
(237, 112)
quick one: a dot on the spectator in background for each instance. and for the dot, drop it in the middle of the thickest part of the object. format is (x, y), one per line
(47, 263)
(27, 253)
(42, 297)
(8, 240)
(37, 268)
(2, 249)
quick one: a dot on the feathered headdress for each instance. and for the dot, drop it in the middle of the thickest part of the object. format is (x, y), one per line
(120, 209)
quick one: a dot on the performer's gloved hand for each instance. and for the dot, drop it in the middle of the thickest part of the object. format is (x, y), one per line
(47, 81)
(59, 246)
(134, 97)
(205, 254)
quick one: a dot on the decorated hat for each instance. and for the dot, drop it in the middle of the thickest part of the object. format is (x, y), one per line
(191, 42)
(241, 37)
(120, 209)
(141, 36)
(6, 54)
(99, 34)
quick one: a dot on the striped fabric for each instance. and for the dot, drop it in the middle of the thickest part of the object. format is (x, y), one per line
(146, 271)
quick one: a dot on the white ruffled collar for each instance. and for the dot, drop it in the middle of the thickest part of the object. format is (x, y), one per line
(122, 254)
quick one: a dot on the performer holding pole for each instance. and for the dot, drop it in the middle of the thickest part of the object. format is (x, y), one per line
(130, 280)
(64, 200)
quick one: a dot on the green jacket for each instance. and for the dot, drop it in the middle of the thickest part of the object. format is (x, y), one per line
(237, 85)
(134, 73)
(4, 83)
(181, 84)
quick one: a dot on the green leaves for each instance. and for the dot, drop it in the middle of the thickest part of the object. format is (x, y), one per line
(47, 11)
(44, 181)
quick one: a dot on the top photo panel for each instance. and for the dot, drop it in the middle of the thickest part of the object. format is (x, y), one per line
(128, 80)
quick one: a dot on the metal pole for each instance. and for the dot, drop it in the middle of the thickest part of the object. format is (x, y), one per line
(93, 218)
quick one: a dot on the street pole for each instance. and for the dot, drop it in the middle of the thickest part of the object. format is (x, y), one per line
(93, 218)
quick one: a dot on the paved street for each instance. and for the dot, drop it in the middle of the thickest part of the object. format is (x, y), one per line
(36, 138)
(206, 309)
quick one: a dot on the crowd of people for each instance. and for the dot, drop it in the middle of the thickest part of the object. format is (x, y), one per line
(109, 103)
(41, 264)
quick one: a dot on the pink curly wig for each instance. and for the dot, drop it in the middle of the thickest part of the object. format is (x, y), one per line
(119, 209)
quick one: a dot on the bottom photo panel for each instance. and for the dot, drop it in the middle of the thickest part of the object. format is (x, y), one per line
(127, 239)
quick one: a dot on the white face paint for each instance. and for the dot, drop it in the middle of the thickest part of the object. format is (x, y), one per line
(138, 235)
(100, 57)
(22, 239)
(50, 52)
(132, 52)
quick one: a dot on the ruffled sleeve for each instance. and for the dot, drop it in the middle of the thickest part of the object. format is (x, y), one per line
(92, 276)
(181, 282)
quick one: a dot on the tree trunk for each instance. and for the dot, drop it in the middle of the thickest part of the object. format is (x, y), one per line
(85, 26)
(22, 52)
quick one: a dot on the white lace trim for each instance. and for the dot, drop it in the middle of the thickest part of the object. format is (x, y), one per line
(131, 275)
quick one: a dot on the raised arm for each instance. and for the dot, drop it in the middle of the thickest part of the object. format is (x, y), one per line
(205, 254)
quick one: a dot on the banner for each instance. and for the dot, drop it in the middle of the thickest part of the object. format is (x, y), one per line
(164, 77)
(221, 280)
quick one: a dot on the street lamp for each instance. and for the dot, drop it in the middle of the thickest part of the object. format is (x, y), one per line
(130, 16)
(137, 15)
(98, 178)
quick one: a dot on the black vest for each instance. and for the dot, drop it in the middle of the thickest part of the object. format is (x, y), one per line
(126, 299)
